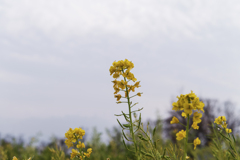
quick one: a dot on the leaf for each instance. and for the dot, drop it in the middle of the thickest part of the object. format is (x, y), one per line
(139, 122)
(146, 154)
(154, 131)
(125, 136)
(120, 124)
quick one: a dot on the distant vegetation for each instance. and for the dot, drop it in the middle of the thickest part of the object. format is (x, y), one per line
(196, 129)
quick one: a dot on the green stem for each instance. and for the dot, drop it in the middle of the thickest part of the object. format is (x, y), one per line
(186, 140)
(131, 123)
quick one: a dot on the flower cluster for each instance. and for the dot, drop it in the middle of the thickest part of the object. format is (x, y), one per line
(221, 120)
(188, 103)
(123, 68)
(73, 139)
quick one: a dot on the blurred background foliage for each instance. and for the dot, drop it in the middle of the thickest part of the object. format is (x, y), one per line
(165, 137)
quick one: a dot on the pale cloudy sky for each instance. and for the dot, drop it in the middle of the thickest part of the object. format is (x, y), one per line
(55, 57)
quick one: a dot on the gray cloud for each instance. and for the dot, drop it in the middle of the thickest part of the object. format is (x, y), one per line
(55, 55)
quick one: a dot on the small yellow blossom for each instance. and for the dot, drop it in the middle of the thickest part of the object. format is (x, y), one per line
(180, 135)
(220, 120)
(196, 142)
(118, 96)
(116, 90)
(14, 158)
(74, 153)
(184, 115)
(69, 143)
(174, 120)
(89, 150)
(228, 130)
(191, 95)
(195, 126)
(131, 88)
(196, 117)
(139, 94)
(137, 84)
(116, 75)
(224, 125)
(188, 107)
(80, 145)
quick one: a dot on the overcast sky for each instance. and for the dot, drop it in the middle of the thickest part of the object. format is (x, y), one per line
(55, 59)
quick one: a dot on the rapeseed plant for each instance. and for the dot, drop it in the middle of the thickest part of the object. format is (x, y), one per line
(73, 140)
(122, 69)
(228, 149)
(188, 103)
(119, 69)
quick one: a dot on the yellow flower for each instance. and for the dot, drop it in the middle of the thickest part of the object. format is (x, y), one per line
(80, 145)
(174, 120)
(89, 150)
(188, 107)
(198, 104)
(79, 132)
(175, 106)
(137, 84)
(131, 88)
(74, 153)
(68, 143)
(220, 120)
(191, 95)
(196, 117)
(122, 84)
(184, 115)
(116, 90)
(118, 96)
(180, 135)
(116, 75)
(196, 142)
(195, 126)
(87, 154)
(139, 94)
(224, 125)
(112, 70)
(14, 158)
(228, 130)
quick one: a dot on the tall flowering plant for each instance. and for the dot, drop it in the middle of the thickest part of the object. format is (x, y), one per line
(191, 108)
(126, 83)
(122, 69)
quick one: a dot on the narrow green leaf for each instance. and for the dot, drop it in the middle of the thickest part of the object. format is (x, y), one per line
(225, 137)
(125, 116)
(234, 138)
(146, 154)
(125, 136)
(120, 124)
(139, 122)
(142, 138)
(155, 145)
(154, 131)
